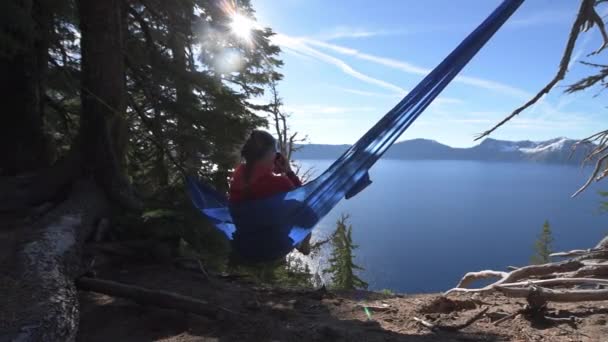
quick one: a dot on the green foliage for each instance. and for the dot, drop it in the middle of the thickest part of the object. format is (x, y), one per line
(190, 88)
(604, 204)
(289, 272)
(543, 246)
(387, 292)
(341, 263)
(187, 109)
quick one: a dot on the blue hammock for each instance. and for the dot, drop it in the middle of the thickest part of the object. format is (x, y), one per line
(267, 229)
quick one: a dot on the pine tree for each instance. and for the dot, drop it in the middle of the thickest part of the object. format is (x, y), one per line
(341, 265)
(543, 246)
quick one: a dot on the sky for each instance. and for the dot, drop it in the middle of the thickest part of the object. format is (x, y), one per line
(347, 62)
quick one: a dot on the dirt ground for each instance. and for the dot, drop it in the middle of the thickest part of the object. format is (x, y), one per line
(265, 314)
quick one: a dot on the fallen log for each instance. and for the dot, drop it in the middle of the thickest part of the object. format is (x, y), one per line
(159, 298)
(48, 258)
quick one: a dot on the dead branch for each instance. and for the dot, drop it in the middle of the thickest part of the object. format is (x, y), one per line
(594, 175)
(511, 316)
(457, 327)
(559, 320)
(585, 19)
(159, 298)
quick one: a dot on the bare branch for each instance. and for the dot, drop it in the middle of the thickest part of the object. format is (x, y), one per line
(585, 19)
(594, 175)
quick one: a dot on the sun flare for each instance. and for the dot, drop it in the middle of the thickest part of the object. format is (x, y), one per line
(242, 26)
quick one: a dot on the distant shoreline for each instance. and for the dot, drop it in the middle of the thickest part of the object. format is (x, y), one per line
(554, 151)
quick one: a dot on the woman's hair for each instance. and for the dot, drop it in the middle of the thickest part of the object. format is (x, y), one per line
(255, 148)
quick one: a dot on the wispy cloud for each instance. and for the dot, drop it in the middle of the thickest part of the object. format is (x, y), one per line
(541, 18)
(370, 93)
(418, 70)
(544, 115)
(347, 32)
(305, 46)
(326, 109)
(300, 47)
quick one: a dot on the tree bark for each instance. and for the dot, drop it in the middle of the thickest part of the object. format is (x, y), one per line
(43, 301)
(184, 98)
(103, 128)
(23, 145)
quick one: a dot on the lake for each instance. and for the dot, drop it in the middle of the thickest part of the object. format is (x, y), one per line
(422, 224)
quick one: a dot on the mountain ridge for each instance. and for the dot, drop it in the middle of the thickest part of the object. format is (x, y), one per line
(557, 150)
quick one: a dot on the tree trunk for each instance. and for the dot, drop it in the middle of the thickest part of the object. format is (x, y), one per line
(184, 98)
(42, 299)
(103, 127)
(23, 144)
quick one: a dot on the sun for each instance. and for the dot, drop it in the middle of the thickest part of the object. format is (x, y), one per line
(242, 26)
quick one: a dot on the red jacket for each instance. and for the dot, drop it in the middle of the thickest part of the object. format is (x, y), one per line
(262, 183)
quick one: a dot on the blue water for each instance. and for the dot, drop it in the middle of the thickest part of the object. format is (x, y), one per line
(422, 224)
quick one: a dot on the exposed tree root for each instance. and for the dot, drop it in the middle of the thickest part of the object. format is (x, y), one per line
(569, 295)
(583, 277)
(532, 271)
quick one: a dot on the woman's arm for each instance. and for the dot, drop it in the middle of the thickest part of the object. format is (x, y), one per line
(293, 178)
(282, 165)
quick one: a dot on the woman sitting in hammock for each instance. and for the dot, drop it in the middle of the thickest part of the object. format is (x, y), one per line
(265, 172)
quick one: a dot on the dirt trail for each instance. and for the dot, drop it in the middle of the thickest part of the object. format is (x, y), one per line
(265, 314)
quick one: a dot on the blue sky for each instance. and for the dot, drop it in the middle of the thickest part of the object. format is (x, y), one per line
(347, 62)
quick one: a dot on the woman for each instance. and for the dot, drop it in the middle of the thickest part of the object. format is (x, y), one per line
(264, 173)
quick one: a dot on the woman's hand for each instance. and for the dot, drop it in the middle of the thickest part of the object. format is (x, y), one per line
(281, 164)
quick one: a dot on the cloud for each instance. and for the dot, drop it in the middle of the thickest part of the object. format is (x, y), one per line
(326, 109)
(302, 48)
(438, 101)
(370, 93)
(542, 18)
(346, 32)
(543, 115)
(417, 70)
